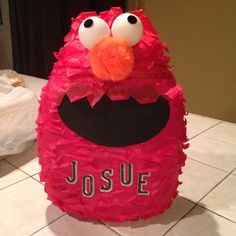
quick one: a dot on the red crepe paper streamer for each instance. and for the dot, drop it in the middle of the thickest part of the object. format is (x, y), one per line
(162, 156)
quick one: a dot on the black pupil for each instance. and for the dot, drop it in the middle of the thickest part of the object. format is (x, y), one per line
(88, 23)
(132, 19)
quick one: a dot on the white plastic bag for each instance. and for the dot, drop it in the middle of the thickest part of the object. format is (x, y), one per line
(18, 112)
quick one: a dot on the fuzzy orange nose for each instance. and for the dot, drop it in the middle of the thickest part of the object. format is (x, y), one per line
(111, 59)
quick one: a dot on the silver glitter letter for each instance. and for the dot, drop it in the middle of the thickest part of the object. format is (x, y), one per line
(107, 188)
(141, 183)
(88, 180)
(74, 178)
(123, 179)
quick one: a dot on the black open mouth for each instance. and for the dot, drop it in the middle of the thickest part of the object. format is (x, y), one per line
(115, 123)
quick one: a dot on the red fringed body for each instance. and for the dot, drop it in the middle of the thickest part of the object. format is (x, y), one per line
(112, 183)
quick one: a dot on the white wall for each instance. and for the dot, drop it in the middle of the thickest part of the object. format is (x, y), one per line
(5, 38)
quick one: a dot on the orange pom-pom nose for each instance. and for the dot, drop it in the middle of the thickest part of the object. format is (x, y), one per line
(111, 59)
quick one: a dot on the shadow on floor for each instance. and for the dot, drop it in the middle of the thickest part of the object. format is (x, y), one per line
(167, 219)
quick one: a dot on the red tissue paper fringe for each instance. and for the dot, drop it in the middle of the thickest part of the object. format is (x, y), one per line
(58, 146)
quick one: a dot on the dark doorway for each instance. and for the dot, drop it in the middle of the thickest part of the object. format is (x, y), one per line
(38, 28)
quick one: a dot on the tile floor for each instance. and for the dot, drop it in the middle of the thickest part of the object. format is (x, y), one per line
(206, 205)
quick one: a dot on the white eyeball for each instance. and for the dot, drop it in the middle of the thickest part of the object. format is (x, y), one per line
(128, 26)
(92, 30)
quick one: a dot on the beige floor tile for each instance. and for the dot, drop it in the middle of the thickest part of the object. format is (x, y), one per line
(36, 177)
(201, 222)
(9, 174)
(222, 199)
(225, 132)
(69, 226)
(26, 161)
(197, 124)
(213, 152)
(157, 225)
(198, 179)
(25, 209)
(234, 173)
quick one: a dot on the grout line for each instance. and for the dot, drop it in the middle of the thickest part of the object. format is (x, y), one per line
(36, 179)
(32, 177)
(187, 199)
(180, 219)
(19, 168)
(72, 217)
(191, 158)
(14, 183)
(113, 230)
(179, 195)
(29, 176)
(202, 116)
(217, 213)
(48, 224)
(176, 222)
(197, 204)
(216, 185)
(219, 140)
(205, 130)
(228, 123)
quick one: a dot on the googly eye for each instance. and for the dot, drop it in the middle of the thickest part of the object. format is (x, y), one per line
(128, 26)
(92, 30)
